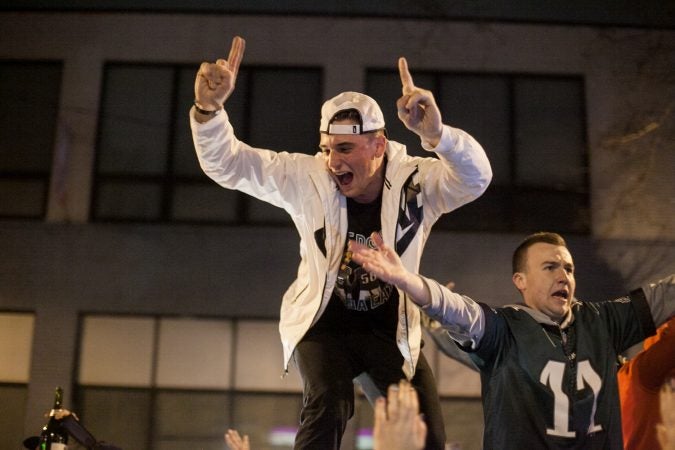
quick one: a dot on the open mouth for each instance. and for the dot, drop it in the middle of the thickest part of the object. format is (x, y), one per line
(563, 294)
(344, 178)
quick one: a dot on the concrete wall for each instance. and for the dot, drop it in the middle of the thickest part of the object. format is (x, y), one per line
(67, 266)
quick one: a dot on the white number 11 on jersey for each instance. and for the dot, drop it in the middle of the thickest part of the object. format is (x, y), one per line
(552, 375)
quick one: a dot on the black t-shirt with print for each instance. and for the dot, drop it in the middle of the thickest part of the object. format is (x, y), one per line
(360, 301)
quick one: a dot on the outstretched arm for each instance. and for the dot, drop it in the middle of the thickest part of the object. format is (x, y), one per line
(459, 314)
(660, 297)
(215, 81)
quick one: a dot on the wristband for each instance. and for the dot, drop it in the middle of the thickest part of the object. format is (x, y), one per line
(206, 112)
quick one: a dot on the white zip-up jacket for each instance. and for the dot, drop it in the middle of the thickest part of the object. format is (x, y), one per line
(416, 192)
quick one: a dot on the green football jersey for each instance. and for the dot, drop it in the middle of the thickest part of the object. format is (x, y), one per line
(544, 386)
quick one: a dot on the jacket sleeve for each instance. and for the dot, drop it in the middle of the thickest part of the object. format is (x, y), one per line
(265, 174)
(462, 317)
(461, 173)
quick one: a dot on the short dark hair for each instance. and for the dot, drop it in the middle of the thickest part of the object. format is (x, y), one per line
(519, 256)
(355, 116)
(347, 114)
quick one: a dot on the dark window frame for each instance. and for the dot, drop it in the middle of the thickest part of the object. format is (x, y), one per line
(170, 179)
(470, 217)
(45, 175)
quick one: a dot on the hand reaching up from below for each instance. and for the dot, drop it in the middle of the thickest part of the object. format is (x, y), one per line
(398, 423)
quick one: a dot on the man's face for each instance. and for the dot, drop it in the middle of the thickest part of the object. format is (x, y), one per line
(356, 163)
(547, 284)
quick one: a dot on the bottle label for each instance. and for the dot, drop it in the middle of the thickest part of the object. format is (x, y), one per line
(56, 446)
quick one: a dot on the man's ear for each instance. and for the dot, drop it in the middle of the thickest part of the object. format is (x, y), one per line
(519, 280)
(380, 145)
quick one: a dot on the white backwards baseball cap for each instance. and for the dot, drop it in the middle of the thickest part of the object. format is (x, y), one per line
(371, 115)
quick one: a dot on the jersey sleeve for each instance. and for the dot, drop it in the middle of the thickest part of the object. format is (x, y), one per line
(461, 316)
(659, 299)
(627, 319)
(494, 342)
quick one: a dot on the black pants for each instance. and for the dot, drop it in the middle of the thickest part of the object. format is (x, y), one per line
(328, 361)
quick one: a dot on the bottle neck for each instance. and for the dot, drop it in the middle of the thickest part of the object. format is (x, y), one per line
(58, 399)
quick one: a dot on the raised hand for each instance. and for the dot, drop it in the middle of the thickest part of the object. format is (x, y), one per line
(382, 261)
(236, 442)
(398, 424)
(215, 82)
(385, 264)
(417, 108)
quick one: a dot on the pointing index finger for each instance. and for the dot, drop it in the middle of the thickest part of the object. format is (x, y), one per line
(236, 54)
(406, 78)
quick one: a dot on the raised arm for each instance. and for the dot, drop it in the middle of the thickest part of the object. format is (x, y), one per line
(417, 108)
(462, 171)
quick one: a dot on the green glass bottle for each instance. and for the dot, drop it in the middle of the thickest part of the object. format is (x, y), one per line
(54, 436)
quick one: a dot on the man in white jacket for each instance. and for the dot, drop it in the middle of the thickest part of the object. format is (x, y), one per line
(337, 321)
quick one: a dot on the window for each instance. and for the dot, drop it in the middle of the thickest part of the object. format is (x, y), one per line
(146, 168)
(533, 131)
(16, 341)
(30, 98)
(173, 383)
